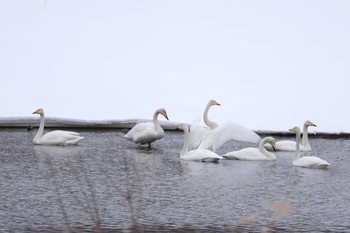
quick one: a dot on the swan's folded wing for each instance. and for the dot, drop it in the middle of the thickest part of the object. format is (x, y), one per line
(202, 155)
(59, 136)
(286, 145)
(312, 162)
(226, 132)
(140, 127)
(245, 154)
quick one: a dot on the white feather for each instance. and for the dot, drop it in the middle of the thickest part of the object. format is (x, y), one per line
(214, 135)
(215, 138)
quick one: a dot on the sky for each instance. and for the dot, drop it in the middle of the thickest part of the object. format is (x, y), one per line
(271, 64)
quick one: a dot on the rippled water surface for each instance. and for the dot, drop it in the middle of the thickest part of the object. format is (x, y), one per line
(108, 184)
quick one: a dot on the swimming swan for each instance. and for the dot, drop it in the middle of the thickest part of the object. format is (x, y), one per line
(214, 135)
(147, 132)
(198, 154)
(56, 137)
(288, 145)
(306, 161)
(254, 153)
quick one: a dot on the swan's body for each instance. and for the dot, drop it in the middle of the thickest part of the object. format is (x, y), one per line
(288, 145)
(202, 155)
(214, 136)
(306, 161)
(254, 153)
(56, 137)
(147, 132)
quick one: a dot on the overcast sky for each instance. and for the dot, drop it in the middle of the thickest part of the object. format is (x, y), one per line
(271, 64)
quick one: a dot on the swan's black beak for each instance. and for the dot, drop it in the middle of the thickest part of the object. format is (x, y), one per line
(273, 147)
(291, 130)
(166, 116)
(312, 124)
(36, 111)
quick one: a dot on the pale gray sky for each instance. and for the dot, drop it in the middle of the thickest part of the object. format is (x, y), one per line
(271, 64)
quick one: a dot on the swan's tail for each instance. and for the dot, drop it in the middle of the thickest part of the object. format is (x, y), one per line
(74, 141)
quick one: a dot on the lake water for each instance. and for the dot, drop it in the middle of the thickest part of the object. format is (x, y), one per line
(109, 184)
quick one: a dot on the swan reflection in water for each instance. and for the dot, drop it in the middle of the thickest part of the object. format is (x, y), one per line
(57, 155)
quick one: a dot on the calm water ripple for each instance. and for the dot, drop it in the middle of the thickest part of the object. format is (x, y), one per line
(108, 184)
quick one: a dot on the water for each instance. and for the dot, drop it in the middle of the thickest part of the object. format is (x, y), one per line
(108, 184)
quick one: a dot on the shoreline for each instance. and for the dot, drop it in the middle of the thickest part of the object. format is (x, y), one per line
(30, 123)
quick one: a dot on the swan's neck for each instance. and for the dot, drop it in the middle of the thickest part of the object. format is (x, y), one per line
(264, 151)
(209, 123)
(155, 121)
(306, 143)
(40, 132)
(297, 151)
(185, 147)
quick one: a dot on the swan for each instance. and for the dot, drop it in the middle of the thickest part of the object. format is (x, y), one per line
(214, 135)
(147, 132)
(202, 155)
(254, 153)
(306, 161)
(56, 137)
(197, 131)
(288, 145)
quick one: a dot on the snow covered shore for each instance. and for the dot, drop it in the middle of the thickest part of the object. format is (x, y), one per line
(53, 122)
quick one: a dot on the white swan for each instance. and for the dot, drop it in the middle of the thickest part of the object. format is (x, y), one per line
(306, 161)
(56, 137)
(198, 154)
(197, 131)
(147, 132)
(254, 153)
(288, 145)
(214, 136)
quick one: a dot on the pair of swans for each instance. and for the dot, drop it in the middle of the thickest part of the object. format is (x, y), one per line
(213, 136)
(306, 161)
(288, 145)
(142, 133)
(56, 137)
(147, 132)
(205, 155)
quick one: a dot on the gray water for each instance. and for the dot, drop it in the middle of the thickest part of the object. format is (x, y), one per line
(109, 184)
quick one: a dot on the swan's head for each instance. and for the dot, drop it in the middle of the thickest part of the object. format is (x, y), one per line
(183, 127)
(309, 123)
(163, 112)
(213, 102)
(272, 142)
(39, 111)
(295, 129)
